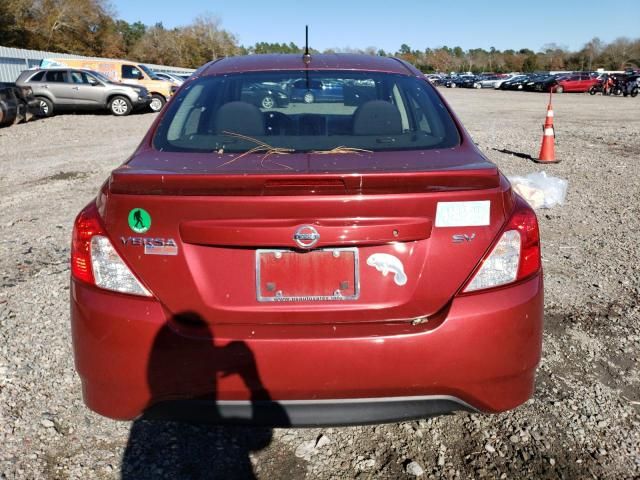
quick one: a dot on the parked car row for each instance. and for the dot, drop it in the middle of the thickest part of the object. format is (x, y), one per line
(270, 95)
(559, 83)
(60, 85)
(120, 71)
(592, 82)
(58, 89)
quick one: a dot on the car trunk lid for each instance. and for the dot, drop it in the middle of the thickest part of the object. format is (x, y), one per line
(244, 236)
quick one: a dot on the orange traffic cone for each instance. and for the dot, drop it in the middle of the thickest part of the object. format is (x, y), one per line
(547, 150)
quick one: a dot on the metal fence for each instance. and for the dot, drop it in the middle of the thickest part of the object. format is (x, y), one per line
(15, 60)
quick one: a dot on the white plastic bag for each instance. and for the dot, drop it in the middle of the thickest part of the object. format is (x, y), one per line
(540, 190)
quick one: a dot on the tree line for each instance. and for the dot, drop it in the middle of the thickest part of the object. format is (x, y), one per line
(91, 27)
(621, 54)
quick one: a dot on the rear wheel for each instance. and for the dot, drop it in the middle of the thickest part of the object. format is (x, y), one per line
(157, 102)
(634, 92)
(46, 107)
(268, 102)
(120, 106)
(593, 91)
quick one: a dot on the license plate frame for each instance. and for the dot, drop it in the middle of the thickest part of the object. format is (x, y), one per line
(308, 298)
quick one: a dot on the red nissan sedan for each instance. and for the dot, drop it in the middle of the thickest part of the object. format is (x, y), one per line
(316, 262)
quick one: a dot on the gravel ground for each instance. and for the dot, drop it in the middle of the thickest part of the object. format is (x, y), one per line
(584, 421)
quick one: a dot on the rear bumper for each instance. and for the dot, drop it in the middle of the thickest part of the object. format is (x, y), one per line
(307, 413)
(134, 358)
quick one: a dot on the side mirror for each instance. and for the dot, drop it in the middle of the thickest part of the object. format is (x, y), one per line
(140, 76)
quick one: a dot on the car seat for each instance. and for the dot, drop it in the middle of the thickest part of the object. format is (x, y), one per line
(239, 117)
(377, 117)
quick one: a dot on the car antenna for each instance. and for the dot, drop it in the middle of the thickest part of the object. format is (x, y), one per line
(306, 58)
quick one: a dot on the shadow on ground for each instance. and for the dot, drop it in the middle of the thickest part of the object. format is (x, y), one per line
(525, 156)
(191, 362)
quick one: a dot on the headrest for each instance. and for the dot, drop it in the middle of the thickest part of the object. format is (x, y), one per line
(377, 117)
(239, 117)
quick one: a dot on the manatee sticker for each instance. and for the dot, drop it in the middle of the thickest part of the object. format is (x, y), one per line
(139, 220)
(385, 263)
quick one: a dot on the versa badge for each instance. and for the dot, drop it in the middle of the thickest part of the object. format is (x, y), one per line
(152, 246)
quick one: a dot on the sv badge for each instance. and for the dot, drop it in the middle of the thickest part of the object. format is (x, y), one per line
(462, 237)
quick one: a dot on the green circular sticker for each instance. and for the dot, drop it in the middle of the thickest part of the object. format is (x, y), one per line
(139, 220)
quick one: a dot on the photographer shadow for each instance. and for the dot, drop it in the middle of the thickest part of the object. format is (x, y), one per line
(204, 439)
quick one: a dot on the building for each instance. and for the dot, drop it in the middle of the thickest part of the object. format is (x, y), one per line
(15, 60)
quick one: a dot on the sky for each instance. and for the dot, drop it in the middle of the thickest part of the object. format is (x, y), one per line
(387, 24)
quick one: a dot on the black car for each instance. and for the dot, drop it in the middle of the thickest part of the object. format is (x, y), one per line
(265, 95)
(17, 104)
(465, 81)
(448, 80)
(531, 85)
(547, 83)
(514, 83)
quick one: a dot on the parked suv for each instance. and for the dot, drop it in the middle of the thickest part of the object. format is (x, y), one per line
(120, 71)
(329, 262)
(78, 89)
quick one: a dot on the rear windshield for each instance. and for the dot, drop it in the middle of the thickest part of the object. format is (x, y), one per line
(306, 111)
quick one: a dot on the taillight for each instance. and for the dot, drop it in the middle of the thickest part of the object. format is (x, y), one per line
(515, 256)
(95, 261)
(86, 226)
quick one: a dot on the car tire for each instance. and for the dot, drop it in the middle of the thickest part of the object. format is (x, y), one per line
(120, 106)
(634, 92)
(46, 107)
(593, 91)
(157, 102)
(268, 102)
(308, 97)
(559, 89)
(21, 113)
